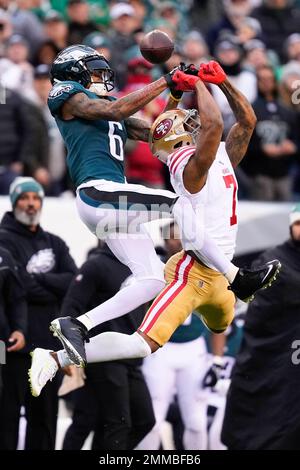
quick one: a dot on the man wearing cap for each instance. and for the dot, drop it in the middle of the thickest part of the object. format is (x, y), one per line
(263, 403)
(124, 22)
(46, 269)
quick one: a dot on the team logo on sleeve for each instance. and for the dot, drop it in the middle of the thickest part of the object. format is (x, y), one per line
(162, 129)
(58, 90)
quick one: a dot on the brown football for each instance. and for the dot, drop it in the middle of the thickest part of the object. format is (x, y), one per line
(156, 47)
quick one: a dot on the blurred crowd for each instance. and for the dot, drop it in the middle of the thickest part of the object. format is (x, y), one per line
(257, 42)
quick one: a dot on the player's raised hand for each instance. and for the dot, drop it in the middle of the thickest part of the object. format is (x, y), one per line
(178, 80)
(212, 73)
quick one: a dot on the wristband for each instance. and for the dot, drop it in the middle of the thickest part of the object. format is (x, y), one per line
(174, 98)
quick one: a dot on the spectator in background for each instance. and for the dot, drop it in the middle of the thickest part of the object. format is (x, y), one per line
(100, 43)
(123, 25)
(194, 49)
(235, 11)
(56, 29)
(256, 55)
(47, 151)
(15, 69)
(46, 269)
(26, 24)
(204, 14)
(80, 24)
(5, 31)
(46, 53)
(98, 10)
(278, 19)
(170, 12)
(263, 400)
(292, 47)
(229, 53)
(13, 326)
(141, 166)
(115, 401)
(248, 29)
(289, 87)
(14, 139)
(178, 368)
(217, 379)
(289, 95)
(273, 144)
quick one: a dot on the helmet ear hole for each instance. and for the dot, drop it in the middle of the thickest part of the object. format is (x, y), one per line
(178, 145)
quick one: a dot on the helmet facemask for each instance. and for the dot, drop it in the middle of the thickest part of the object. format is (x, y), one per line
(98, 67)
(172, 130)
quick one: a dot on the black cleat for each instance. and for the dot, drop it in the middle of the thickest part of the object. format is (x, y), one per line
(248, 281)
(72, 334)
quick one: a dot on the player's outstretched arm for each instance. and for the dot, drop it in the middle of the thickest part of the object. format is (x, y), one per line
(208, 140)
(240, 134)
(82, 106)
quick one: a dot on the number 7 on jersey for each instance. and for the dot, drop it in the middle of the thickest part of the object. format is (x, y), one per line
(230, 181)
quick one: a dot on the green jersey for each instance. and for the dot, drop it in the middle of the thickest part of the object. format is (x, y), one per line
(95, 148)
(190, 330)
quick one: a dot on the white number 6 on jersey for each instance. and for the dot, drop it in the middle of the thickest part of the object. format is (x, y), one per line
(115, 142)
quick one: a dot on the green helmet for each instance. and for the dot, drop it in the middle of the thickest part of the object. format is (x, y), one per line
(78, 63)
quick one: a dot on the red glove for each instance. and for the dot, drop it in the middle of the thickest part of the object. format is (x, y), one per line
(212, 73)
(180, 81)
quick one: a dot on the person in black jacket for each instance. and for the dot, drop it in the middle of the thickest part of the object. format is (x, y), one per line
(274, 145)
(263, 403)
(115, 401)
(46, 269)
(13, 325)
(278, 19)
(14, 139)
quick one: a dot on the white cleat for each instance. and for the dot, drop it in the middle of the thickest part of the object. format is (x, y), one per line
(43, 368)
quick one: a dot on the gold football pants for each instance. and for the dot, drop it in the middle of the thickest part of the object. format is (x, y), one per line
(191, 287)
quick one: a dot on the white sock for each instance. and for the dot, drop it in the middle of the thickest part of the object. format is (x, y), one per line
(195, 440)
(230, 275)
(126, 300)
(86, 321)
(111, 346)
(63, 358)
